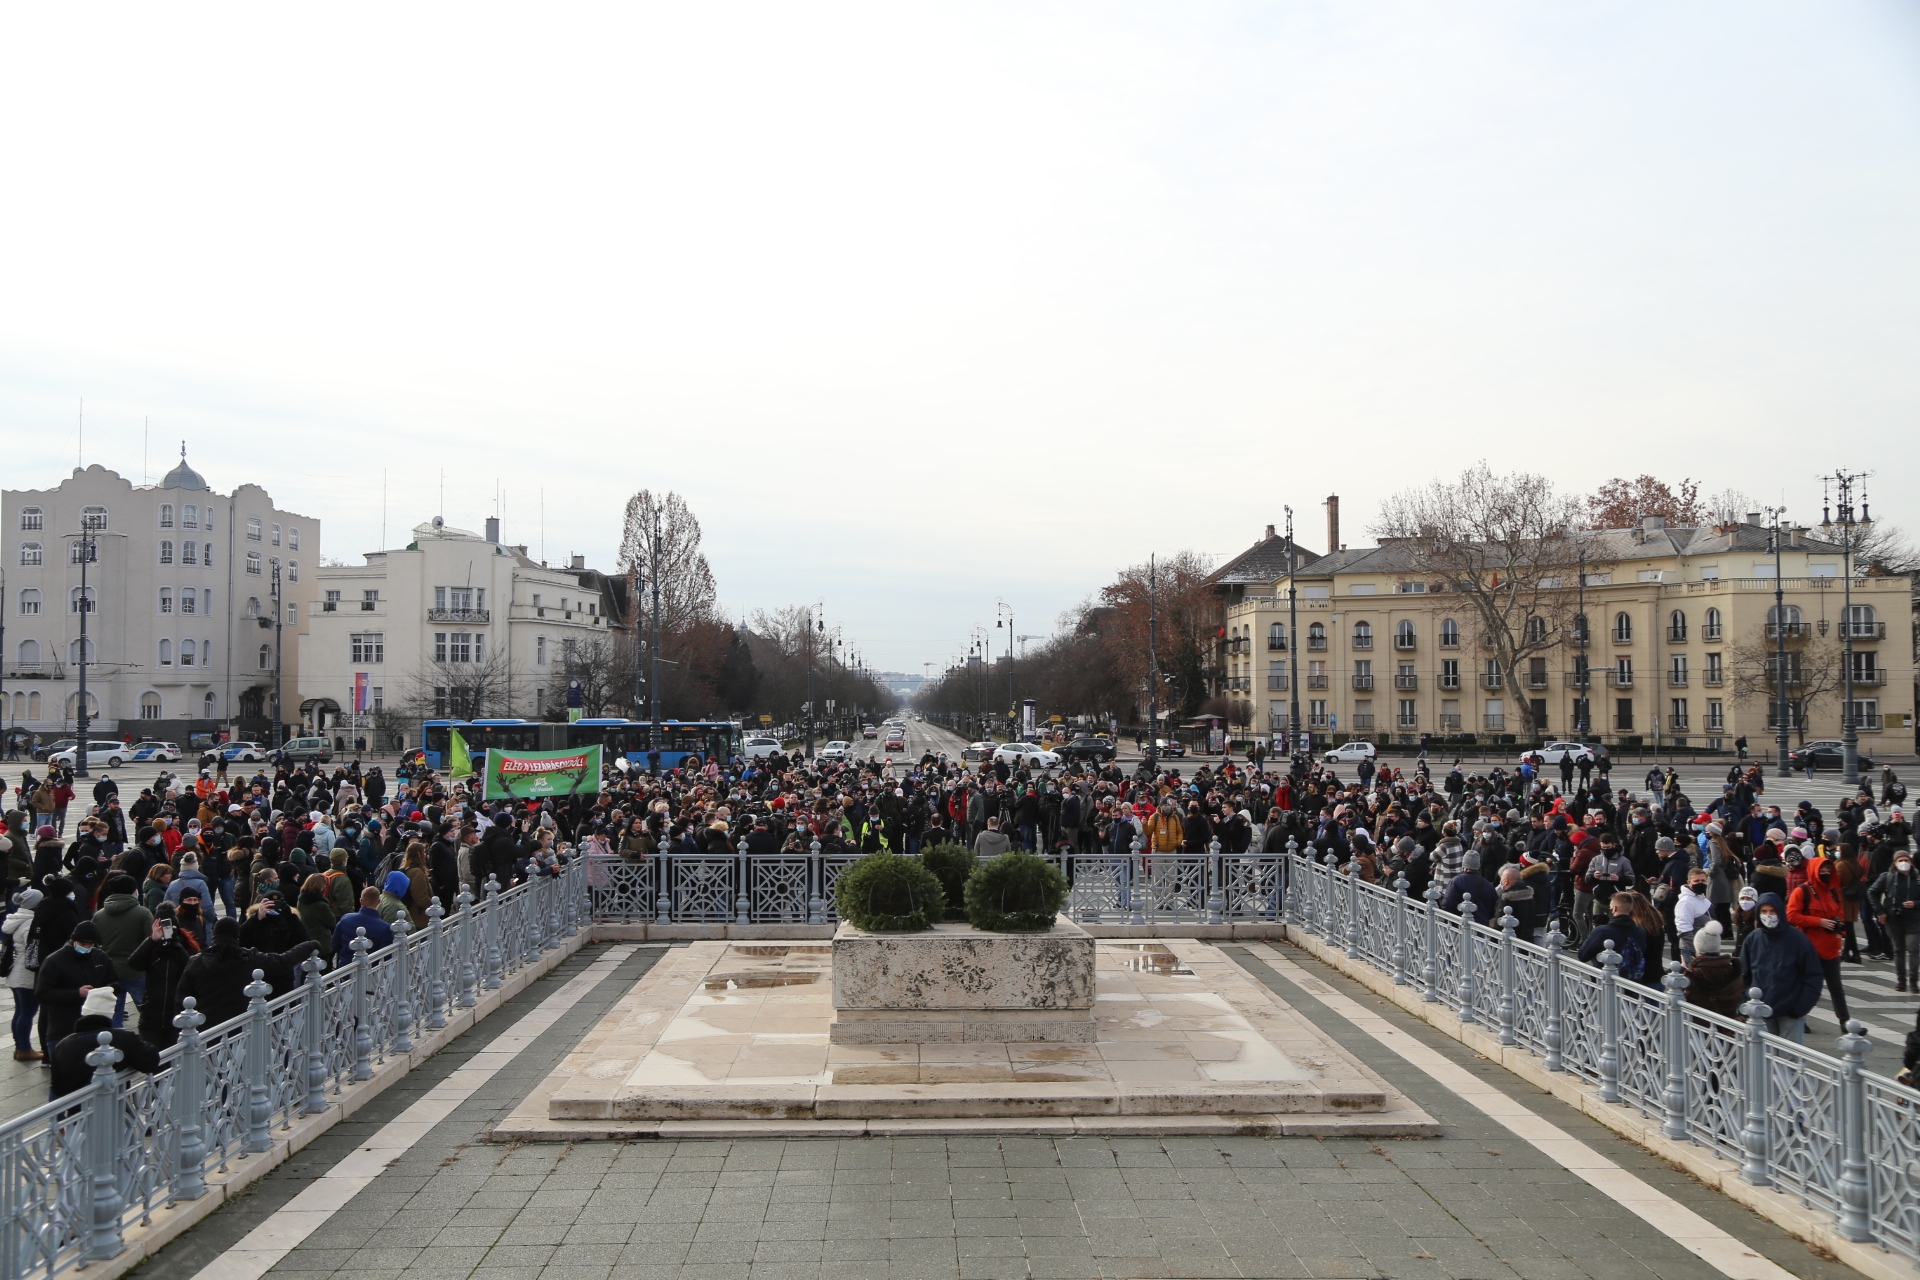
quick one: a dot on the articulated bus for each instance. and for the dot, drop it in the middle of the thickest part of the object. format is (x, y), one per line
(679, 739)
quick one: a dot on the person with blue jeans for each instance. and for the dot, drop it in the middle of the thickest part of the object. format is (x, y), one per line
(26, 1004)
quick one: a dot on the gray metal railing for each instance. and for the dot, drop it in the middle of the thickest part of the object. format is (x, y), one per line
(78, 1171)
(1814, 1125)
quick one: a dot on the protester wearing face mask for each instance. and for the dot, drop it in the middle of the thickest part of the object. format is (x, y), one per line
(1815, 907)
(1692, 909)
(67, 977)
(1745, 914)
(1896, 901)
(1778, 959)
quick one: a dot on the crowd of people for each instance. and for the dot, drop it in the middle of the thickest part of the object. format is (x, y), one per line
(200, 880)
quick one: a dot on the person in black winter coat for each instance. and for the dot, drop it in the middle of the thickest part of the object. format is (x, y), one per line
(67, 977)
(1778, 959)
(270, 925)
(69, 1058)
(163, 957)
(49, 856)
(1470, 882)
(217, 978)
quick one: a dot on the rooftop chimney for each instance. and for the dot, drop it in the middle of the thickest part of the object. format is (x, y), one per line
(493, 528)
(1753, 517)
(1652, 524)
(1333, 522)
(1269, 533)
(579, 562)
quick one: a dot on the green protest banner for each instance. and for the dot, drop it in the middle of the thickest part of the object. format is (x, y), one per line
(532, 775)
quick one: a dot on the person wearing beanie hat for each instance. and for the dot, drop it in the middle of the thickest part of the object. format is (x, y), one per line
(49, 854)
(66, 977)
(1713, 977)
(20, 979)
(1470, 883)
(68, 1057)
(217, 978)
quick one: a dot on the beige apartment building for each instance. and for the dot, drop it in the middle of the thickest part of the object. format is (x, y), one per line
(1680, 643)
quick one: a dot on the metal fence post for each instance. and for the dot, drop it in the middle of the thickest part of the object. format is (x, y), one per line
(1217, 895)
(663, 888)
(1468, 976)
(259, 1110)
(1307, 921)
(1353, 908)
(1755, 1142)
(1855, 1193)
(464, 900)
(1609, 1023)
(1290, 900)
(1508, 975)
(1673, 1098)
(313, 1022)
(402, 1035)
(101, 1108)
(437, 966)
(1136, 866)
(817, 877)
(362, 1032)
(494, 962)
(1400, 930)
(569, 908)
(189, 1100)
(1430, 971)
(1556, 1008)
(743, 900)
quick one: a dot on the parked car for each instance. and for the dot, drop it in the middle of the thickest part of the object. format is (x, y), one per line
(1096, 749)
(1029, 754)
(1553, 752)
(835, 751)
(759, 748)
(1351, 753)
(1169, 747)
(110, 755)
(300, 750)
(48, 749)
(159, 752)
(244, 752)
(1828, 753)
(978, 751)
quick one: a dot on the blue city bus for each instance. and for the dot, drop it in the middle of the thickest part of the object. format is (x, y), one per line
(508, 735)
(679, 740)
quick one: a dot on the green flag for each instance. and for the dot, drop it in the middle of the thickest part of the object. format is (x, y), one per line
(459, 762)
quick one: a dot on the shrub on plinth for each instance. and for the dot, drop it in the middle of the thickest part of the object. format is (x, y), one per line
(1017, 892)
(886, 893)
(952, 864)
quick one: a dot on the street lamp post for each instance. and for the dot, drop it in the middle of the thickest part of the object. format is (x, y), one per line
(1153, 671)
(653, 647)
(279, 623)
(1849, 722)
(1293, 646)
(1582, 666)
(82, 721)
(1006, 619)
(1781, 738)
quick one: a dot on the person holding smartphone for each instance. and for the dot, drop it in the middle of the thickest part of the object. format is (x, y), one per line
(163, 957)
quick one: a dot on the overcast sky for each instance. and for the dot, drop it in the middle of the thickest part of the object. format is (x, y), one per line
(923, 305)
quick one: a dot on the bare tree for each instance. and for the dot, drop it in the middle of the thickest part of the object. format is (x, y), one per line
(1510, 546)
(468, 690)
(1815, 670)
(1621, 503)
(604, 666)
(687, 593)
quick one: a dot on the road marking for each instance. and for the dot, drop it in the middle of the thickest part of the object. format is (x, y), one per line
(301, 1216)
(1672, 1219)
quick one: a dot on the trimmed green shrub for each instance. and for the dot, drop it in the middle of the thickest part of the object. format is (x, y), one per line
(1016, 892)
(886, 893)
(952, 864)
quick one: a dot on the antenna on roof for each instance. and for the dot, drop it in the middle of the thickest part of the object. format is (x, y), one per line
(145, 424)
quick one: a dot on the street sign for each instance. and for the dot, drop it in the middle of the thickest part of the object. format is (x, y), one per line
(575, 695)
(766, 719)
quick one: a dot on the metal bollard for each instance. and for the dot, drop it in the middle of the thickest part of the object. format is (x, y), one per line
(1216, 895)
(313, 1008)
(743, 900)
(1673, 1098)
(1307, 915)
(466, 977)
(492, 960)
(259, 1110)
(1856, 1195)
(1468, 975)
(362, 1032)
(1556, 1003)
(189, 1099)
(436, 967)
(817, 877)
(1400, 930)
(402, 1037)
(1353, 908)
(1430, 971)
(1609, 1023)
(1755, 1141)
(101, 1108)
(663, 889)
(1508, 1009)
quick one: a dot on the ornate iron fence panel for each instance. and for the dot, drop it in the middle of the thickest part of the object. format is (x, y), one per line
(1893, 1165)
(778, 889)
(1643, 1068)
(1803, 1122)
(1716, 1089)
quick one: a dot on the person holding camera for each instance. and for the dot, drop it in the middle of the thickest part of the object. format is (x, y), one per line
(1896, 901)
(162, 957)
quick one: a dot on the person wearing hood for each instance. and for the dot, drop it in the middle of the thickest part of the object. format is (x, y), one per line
(316, 912)
(1816, 910)
(67, 977)
(19, 860)
(218, 977)
(68, 1058)
(1895, 897)
(1713, 977)
(393, 897)
(124, 925)
(20, 979)
(162, 958)
(1779, 959)
(1470, 882)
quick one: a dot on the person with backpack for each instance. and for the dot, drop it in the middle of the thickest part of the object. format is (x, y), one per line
(1816, 909)
(1628, 938)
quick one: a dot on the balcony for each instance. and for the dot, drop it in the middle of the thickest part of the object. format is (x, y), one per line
(1676, 679)
(1710, 635)
(1363, 720)
(1623, 637)
(52, 669)
(1406, 682)
(1405, 643)
(1316, 682)
(1492, 680)
(369, 606)
(1449, 639)
(1876, 676)
(1450, 681)
(1363, 642)
(1494, 722)
(1618, 679)
(1864, 630)
(1677, 724)
(1408, 722)
(1578, 679)
(460, 615)
(1789, 631)
(1316, 644)
(1363, 682)
(1713, 677)
(1276, 682)
(1276, 646)
(329, 606)
(1868, 723)
(1676, 635)
(1449, 722)
(1716, 725)
(1317, 722)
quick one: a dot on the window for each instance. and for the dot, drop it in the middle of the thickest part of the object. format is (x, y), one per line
(1363, 635)
(253, 607)
(149, 706)
(293, 571)
(93, 518)
(189, 517)
(1860, 622)
(186, 653)
(439, 646)
(1409, 713)
(536, 599)
(1277, 636)
(1716, 715)
(1317, 636)
(1536, 630)
(29, 603)
(1623, 673)
(273, 570)
(1363, 673)
(206, 554)
(207, 523)
(1709, 573)
(293, 537)
(461, 647)
(1710, 626)
(31, 554)
(187, 595)
(1866, 713)
(276, 535)
(330, 602)
(1490, 675)
(1678, 712)
(1403, 635)
(1677, 670)
(29, 653)
(253, 528)
(1450, 673)
(1715, 675)
(369, 599)
(189, 552)
(1763, 569)
(293, 613)
(1623, 714)
(1579, 629)
(166, 515)
(166, 551)
(370, 646)
(440, 701)
(31, 519)
(1865, 667)
(166, 599)
(1827, 570)
(540, 650)
(82, 600)
(379, 699)
(253, 563)
(1449, 634)
(1622, 628)
(1784, 619)
(1361, 589)
(1412, 588)
(265, 657)
(1677, 627)
(208, 705)
(1277, 676)
(79, 551)
(166, 653)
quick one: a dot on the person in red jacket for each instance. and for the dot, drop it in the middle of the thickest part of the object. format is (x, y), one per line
(1814, 907)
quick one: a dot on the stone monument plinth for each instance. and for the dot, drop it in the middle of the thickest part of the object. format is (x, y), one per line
(956, 984)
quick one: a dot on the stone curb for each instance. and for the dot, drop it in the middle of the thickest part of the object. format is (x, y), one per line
(1812, 1225)
(168, 1224)
(641, 931)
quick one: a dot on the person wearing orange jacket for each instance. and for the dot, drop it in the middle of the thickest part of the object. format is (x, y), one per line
(1815, 908)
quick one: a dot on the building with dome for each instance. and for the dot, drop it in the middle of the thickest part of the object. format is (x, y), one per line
(180, 596)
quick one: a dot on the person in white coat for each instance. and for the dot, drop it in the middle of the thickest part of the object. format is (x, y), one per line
(20, 979)
(1693, 909)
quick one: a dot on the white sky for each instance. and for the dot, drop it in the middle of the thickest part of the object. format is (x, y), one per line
(923, 305)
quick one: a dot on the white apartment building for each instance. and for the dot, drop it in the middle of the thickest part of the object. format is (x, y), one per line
(179, 595)
(454, 624)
